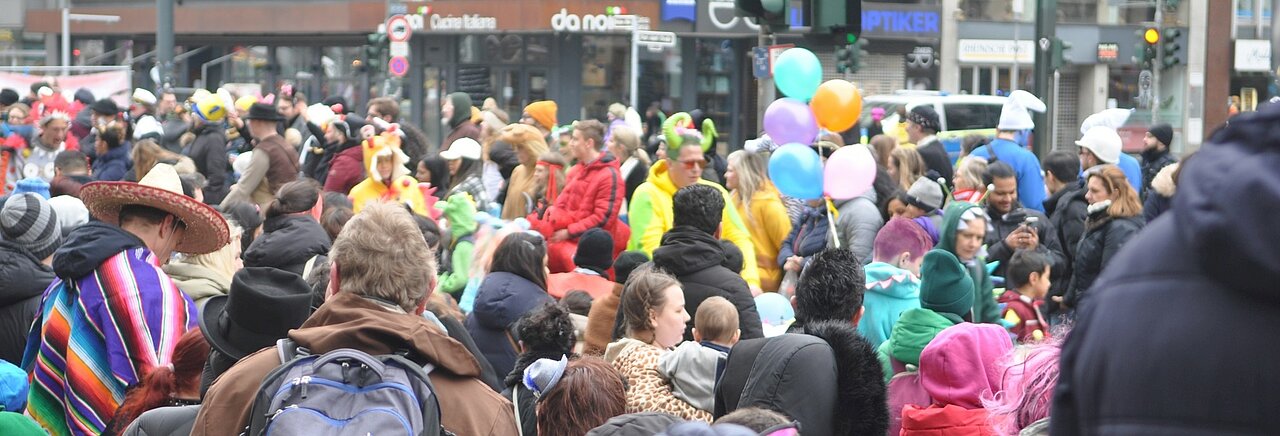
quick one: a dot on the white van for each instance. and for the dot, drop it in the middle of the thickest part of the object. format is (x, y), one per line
(960, 115)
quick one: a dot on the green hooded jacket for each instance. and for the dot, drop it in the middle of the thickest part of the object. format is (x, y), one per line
(460, 210)
(985, 309)
(913, 331)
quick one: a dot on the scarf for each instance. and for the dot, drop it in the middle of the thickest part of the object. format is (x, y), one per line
(552, 183)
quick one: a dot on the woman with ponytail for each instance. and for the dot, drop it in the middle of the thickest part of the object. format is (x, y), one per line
(291, 234)
(175, 384)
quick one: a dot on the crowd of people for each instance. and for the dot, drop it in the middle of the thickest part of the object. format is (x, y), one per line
(206, 262)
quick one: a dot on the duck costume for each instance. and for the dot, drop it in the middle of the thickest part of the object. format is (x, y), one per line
(401, 187)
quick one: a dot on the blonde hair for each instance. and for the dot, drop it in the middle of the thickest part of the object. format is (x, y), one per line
(222, 261)
(716, 319)
(146, 153)
(1124, 201)
(381, 253)
(641, 296)
(630, 141)
(752, 170)
(910, 166)
(970, 172)
(881, 147)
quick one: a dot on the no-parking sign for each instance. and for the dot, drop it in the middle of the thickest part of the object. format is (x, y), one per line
(398, 29)
(399, 66)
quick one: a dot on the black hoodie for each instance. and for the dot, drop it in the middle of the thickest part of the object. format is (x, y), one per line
(1173, 340)
(23, 280)
(824, 375)
(88, 246)
(287, 243)
(695, 258)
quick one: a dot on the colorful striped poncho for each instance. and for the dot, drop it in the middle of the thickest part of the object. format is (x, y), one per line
(99, 334)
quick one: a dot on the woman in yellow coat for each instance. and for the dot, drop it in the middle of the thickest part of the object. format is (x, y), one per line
(760, 206)
(389, 178)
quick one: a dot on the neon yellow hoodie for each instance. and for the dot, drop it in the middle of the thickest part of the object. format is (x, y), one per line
(650, 217)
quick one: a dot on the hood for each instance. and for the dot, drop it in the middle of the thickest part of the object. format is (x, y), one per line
(861, 391)
(287, 241)
(460, 210)
(658, 177)
(1163, 182)
(891, 281)
(869, 195)
(620, 347)
(24, 276)
(1217, 206)
(384, 145)
(686, 250)
(503, 298)
(347, 320)
(197, 281)
(88, 246)
(461, 109)
(914, 330)
(959, 366)
(950, 222)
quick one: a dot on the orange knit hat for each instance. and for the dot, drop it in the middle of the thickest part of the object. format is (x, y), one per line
(544, 112)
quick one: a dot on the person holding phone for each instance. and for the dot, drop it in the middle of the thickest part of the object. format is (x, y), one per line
(1014, 227)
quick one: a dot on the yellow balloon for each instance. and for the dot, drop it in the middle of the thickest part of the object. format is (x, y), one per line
(836, 105)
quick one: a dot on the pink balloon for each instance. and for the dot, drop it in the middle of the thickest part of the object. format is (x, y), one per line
(849, 172)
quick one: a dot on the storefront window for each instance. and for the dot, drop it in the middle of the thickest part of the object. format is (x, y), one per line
(715, 69)
(248, 65)
(605, 73)
(1122, 86)
(1078, 11)
(996, 10)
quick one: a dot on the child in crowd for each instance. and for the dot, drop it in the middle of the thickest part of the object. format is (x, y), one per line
(946, 299)
(1028, 282)
(958, 368)
(460, 211)
(695, 367)
(893, 283)
(924, 202)
(808, 237)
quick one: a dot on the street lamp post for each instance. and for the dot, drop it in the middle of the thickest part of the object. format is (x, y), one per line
(67, 18)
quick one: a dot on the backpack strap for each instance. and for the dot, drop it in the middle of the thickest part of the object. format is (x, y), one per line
(288, 350)
(992, 152)
(515, 407)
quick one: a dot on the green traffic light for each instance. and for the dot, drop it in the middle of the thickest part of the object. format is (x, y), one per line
(851, 38)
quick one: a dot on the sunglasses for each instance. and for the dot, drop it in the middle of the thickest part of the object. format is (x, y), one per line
(693, 164)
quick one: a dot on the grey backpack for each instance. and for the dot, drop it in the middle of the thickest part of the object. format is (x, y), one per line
(345, 392)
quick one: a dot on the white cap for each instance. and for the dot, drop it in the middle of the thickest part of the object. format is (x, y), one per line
(460, 148)
(1113, 118)
(1104, 142)
(144, 96)
(1014, 115)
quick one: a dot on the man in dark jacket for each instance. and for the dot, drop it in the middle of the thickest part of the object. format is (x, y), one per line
(31, 234)
(1155, 154)
(923, 125)
(691, 253)
(1014, 227)
(1168, 342)
(822, 373)
(209, 152)
(456, 114)
(1067, 210)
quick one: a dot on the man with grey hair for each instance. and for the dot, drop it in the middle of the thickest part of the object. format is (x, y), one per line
(381, 277)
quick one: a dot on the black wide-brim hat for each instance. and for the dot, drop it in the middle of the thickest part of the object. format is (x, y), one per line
(261, 307)
(264, 112)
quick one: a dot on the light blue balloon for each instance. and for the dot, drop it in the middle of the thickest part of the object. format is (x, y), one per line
(798, 73)
(796, 170)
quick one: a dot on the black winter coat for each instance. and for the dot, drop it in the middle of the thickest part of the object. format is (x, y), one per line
(287, 243)
(1003, 225)
(695, 258)
(1172, 341)
(209, 152)
(1103, 238)
(1152, 163)
(23, 280)
(823, 375)
(164, 421)
(502, 299)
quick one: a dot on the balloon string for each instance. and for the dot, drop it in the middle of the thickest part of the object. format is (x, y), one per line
(832, 214)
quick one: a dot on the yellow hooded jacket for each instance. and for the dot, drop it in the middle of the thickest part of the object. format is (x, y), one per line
(402, 188)
(650, 217)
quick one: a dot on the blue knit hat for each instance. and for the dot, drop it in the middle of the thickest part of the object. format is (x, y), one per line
(33, 185)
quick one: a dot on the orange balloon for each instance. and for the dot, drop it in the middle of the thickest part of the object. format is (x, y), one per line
(836, 105)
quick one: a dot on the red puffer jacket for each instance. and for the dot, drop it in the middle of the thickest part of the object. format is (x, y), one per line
(949, 420)
(592, 197)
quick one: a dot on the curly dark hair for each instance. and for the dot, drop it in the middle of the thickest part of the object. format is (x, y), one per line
(699, 206)
(546, 329)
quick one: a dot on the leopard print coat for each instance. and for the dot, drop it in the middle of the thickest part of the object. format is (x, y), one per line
(647, 391)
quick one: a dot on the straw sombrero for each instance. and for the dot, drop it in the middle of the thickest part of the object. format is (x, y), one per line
(161, 189)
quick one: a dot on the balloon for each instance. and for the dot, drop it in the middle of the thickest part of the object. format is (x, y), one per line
(788, 120)
(849, 172)
(798, 73)
(836, 105)
(797, 171)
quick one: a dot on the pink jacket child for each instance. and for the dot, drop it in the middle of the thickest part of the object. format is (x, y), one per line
(957, 369)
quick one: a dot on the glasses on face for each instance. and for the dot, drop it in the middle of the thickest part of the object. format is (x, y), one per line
(693, 164)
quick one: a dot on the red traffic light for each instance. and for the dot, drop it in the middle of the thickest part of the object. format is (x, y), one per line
(75, 52)
(1151, 35)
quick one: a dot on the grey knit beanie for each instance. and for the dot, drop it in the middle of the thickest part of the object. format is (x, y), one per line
(28, 221)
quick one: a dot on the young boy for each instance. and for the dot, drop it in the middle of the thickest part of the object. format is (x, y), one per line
(1028, 282)
(893, 280)
(694, 368)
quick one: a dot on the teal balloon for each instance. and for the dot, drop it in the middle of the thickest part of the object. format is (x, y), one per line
(772, 5)
(796, 170)
(798, 73)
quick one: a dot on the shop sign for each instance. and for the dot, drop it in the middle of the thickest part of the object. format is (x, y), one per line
(447, 22)
(1253, 55)
(995, 51)
(673, 10)
(563, 21)
(900, 20)
(1108, 52)
(718, 16)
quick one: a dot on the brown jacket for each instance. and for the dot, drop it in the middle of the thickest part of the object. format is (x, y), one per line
(468, 406)
(600, 321)
(284, 161)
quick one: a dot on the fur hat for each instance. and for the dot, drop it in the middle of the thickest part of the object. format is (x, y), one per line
(945, 286)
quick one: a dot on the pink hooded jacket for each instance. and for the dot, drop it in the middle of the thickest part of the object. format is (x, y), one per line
(956, 368)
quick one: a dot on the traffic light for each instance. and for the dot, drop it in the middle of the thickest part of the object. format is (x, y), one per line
(1145, 50)
(377, 44)
(1060, 48)
(849, 59)
(770, 13)
(839, 19)
(1170, 47)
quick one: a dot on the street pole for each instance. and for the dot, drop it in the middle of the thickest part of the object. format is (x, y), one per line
(1046, 29)
(164, 42)
(1018, 8)
(66, 37)
(635, 70)
(1157, 65)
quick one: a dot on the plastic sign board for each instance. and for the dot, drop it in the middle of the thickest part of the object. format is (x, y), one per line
(665, 39)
